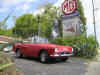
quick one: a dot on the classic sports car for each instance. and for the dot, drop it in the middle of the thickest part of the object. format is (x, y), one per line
(42, 49)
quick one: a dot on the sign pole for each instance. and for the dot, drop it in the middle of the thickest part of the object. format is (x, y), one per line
(39, 25)
(94, 20)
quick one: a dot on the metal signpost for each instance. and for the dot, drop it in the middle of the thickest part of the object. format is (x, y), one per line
(39, 26)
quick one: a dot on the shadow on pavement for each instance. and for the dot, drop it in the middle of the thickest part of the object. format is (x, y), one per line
(52, 61)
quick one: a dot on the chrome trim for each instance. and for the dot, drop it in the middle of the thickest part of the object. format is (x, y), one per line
(62, 55)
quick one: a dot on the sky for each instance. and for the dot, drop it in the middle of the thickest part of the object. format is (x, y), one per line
(20, 7)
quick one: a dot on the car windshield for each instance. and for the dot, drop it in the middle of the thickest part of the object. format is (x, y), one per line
(38, 39)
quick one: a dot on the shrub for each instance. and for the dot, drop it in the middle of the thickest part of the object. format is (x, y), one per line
(83, 46)
(6, 65)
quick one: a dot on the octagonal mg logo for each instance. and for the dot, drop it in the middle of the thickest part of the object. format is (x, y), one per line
(69, 6)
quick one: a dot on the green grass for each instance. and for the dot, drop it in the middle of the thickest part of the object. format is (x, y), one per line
(3, 66)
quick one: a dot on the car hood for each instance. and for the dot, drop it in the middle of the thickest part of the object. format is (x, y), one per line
(60, 48)
(64, 48)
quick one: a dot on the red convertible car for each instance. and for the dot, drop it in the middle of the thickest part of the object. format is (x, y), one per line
(42, 49)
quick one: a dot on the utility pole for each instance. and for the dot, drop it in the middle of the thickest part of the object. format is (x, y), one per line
(94, 20)
(39, 25)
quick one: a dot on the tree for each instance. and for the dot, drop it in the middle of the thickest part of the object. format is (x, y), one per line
(3, 26)
(4, 21)
(82, 17)
(2, 31)
(52, 12)
(25, 26)
(8, 32)
(46, 27)
(50, 15)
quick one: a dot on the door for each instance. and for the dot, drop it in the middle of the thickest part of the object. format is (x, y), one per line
(25, 49)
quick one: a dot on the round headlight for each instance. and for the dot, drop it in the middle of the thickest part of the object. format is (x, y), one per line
(72, 50)
(56, 49)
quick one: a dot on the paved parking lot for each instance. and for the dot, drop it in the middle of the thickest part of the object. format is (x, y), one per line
(31, 66)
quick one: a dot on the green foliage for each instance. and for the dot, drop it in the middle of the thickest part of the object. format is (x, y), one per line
(46, 27)
(83, 46)
(2, 31)
(3, 66)
(51, 12)
(82, 17)
(25, 26)
(6, 32)
(48, 18)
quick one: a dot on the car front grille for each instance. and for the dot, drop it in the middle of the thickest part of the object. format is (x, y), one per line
(63, 53)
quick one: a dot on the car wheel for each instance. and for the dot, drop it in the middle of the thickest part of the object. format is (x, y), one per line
(44, 57)
(64, 59)
(19, 55)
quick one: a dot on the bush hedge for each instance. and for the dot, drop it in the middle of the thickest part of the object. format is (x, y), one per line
(83, 46)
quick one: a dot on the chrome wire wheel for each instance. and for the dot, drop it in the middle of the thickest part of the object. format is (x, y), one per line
(44, 57)
(19, 55)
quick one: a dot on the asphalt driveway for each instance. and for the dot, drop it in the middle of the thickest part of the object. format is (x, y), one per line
(31, 66)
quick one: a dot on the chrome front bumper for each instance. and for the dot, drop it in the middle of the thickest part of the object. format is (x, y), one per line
(59, 55)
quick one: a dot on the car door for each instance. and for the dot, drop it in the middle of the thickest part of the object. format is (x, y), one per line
(25, 49)
(29, 50)
(34, 50)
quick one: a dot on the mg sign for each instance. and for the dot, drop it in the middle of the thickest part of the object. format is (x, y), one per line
(71, 20)
(69, 6)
